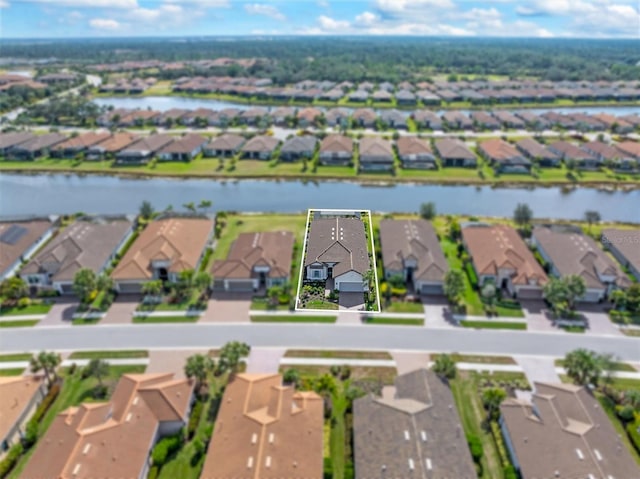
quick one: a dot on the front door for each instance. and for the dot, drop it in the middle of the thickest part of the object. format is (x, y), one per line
(163, 274)
(330, 272)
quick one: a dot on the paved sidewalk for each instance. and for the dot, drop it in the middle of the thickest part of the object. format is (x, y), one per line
(78, 362)
(170, 360)
(22, 317)
(538, 369)
(265, 360)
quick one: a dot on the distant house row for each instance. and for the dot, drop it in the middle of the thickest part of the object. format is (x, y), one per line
(133, 86)
(287, 116)
(411, 250)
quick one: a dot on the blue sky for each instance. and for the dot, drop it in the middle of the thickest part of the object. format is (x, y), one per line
(524, 18)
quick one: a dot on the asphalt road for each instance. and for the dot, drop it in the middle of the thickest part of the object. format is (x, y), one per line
(361, 337)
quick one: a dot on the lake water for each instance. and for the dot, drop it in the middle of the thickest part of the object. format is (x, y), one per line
(163, 103)
(57, 194)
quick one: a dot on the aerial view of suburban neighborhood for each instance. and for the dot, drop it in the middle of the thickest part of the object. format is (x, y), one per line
(320, 239)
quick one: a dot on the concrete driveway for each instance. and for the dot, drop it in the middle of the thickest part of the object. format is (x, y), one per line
(227, 308)
(538, 369)
(264, 360)
(121, 311)
(170, 361)
(537, 315)
(61, 314)
(598, 319)
(437, 313)
(351, 301)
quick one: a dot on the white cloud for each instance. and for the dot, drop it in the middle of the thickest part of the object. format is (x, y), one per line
(91, 3)
(403, 6)
(104, 24)
(367, 19)
(328, 23)
(323, 3)
(263, 9)
(4, 4)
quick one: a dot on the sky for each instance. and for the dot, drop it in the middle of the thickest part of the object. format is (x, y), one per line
(515, 18)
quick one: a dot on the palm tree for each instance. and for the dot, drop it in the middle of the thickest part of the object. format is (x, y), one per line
(444, 366)
(191, 206)
(231, 355)
(152, 288)
(576, 286)
(453, 285)
(47, 362)
(591, 217)
(198, 367)
(582, 366)
(205, 204)
(491, 399)
(202, 281)
(98, 368)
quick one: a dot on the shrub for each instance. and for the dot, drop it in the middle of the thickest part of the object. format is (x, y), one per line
(24, 303)
(502, 451)
(30, 434)
(475, 446)
(509, 472)
(153, 472)
(634, 435)
(46, 403)
(194, 419)
(625, 413)
(72, 369)
(10, 459)
(165, 448)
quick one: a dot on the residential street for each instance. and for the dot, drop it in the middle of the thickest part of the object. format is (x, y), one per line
(315, 336)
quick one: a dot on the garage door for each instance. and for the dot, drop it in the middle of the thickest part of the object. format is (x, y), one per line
(591, 297)
(530, 293)
(131, 288)
(67, 288)
(218, 284)
(431, 289)
(350, 287)
(240, 285)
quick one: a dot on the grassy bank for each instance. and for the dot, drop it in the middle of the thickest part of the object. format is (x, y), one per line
(395, 321)
(293, 319)
(494, 325)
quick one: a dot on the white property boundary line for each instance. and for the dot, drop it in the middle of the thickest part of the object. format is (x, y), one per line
(304, 255)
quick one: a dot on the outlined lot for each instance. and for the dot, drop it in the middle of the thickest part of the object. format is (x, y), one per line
(343, 263)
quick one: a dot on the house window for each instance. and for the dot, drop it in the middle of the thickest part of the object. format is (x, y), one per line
(316, 273)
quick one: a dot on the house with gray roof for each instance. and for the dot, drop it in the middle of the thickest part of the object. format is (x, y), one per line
(337, 117)
(410, 249)
(184, 148)
(563, 433)
(405, 97)
(625, 247)
(412, 431)
(260, 147)
(538, 152)
(19, 241)
(455, 153)
(364, 117)
(337, 253)
(393, 119)
(298, 147)
(144, 149)
(39, 145)
(91, 244)
(336, 150)
(569, 252)
(376, 154)
(427, 119)
(8, 140)
(224, 145)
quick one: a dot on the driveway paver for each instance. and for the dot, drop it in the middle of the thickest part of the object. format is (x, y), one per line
(264, 360)
(170, 360)
(60, 314)
(537, 316)
(121, 311)
(538, 369)
(437, 313)
(351, 301)
(598, 319)
(409, 361)
(227, 308)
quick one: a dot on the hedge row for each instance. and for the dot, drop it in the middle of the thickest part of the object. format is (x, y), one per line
(634, 435)
(46, 403)
(502, 450)
(194, 419)
(165, 448)
(10, 460)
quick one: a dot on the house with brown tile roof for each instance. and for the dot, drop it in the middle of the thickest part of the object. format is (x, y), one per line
(113, 438)
(192, 116)
(625, 247)
(457, 120)
(569, 252)
(410, 249)
(538, 152)
(139, 118)
(77, 144)
(227, 144)
(170, 117)
(9, 140)
(19, 240)
(298, 147)
(499, 255)
(381, 96)
(631, 148)
(614, 123)
(503, 156)
(609, 154)
(570, 153)
(484, 121)
(455, 153)
(337, 252)
(39, 145)
(19, 398)
(563, 433)
(412, 431)
(414, 152)
(261, 147)
(164, 248)
(265, 430)
(427, 119)
(336, 150)
(364, 118)
(308, 116)
(110, 146)
(144, 149)
(254, 261)
(184, 148)
(508, 119)
(91, 244)
(337, 117)
(375, 154)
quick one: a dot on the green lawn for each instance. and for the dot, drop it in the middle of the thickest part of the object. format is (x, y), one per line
(404, 307)
(493, 325)
(85, 321)
(617, 366)
(396, 321)
(609, 408)
(470, 297)
(11, 372)
(75, 390)
(263, 304)
(19, 324)
(122, 354)
(293, 319)
(465, 393)
(37, 308)
(165, 319)
(472, 358)
(6, 358)
(321, 353)
(318, 304)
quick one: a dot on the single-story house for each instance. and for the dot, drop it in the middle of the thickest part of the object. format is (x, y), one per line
(337, 253)
(410, 249)
(484, 120)
(308, 117)
(534, 121)
(164, 249)
(331, 95)
(386, 86)
(455, 153)
(282, 115)
(364, 118)
(428, 97)
(630, 148)
(192, 116)
(393, 119)
(569, 252)
(412, 430)
(563, 432)
(260, 147)
(270, 431)
(20, 396)
(415, 152)
(538, 152)
(118, 435)
(405, 97)
(336, 150)
(508, 119)
(571, 153)
(457, 120)
(366, 86)
(375, 154)
(625, 247)
(19, 240)
(358, 96)
(84, 244)
(298, 147)
(253, 116)
(504, 156)
(337, 117)
(609, 154)
(184, 148)
(111, 146)
(499, 255)
(77, 144)
(39, 145)
(427, 119)
(254, 261)
(138, 118)
(225, 117)
(144, 149)
(224, 145)
(170, 117)
(9, 140)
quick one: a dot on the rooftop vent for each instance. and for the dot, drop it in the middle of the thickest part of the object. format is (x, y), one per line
(579, 453)
(250, 462)
(428, 464)
(411, 464)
